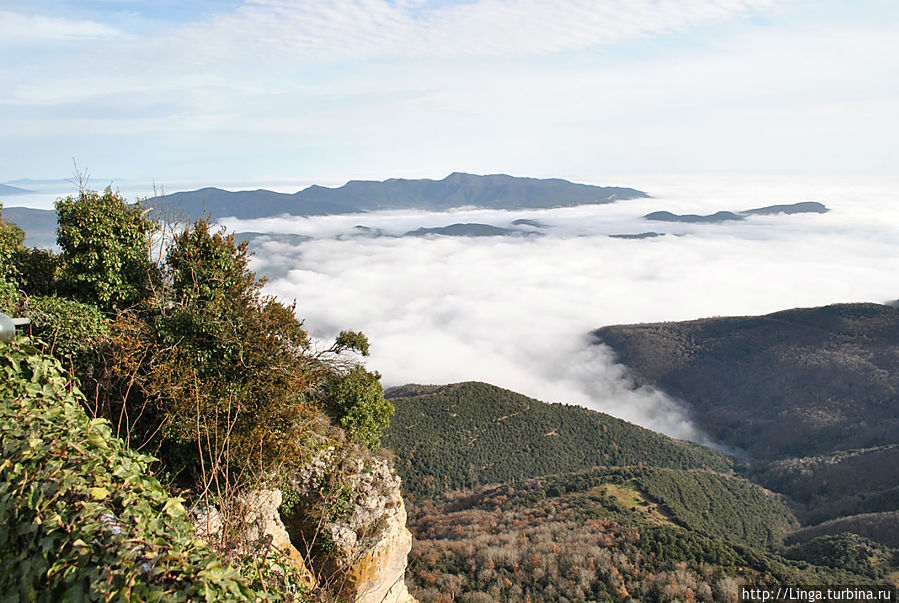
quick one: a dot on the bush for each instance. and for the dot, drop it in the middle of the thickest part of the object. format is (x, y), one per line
(11, 239)
(356, 402)
(69, 330)
(79, 517)
(105, 249)
(217, 375)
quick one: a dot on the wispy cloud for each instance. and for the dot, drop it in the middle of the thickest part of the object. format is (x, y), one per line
(378, 29)
(302, 89)
(17, 28)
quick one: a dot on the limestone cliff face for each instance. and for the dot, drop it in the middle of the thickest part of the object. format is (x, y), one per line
(368, 537)
(349, 516)
(376, 573)
(257, 512)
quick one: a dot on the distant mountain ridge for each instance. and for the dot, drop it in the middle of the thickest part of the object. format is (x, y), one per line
(8, 191)
(804, 207)
(496, 191)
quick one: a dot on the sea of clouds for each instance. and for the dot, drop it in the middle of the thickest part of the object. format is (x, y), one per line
(517, 311)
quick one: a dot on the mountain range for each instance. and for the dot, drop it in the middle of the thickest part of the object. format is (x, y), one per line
(496, 191)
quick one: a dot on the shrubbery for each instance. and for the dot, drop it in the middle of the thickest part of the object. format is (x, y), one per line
(184, 357)
(79, 517)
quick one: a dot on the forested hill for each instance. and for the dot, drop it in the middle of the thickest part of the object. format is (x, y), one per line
(811, 394)
(470, 434)
(496, 191)
(583, 506)
(794, 383)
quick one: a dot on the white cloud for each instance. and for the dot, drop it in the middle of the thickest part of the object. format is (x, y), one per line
(515, 311)
(17, 28)
(353, 29)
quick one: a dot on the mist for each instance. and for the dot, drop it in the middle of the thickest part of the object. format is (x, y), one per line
(517, 311)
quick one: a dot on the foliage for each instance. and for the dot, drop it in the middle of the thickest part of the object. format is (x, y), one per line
(36, 270)
(212, 365)
(9, 296)
(221, 380)
(11, 242)
(69, 330)
(846, 551)
(79, 517)
(356, 402)
(186, 357)
(703, 502)
(471, 434)
(105, 249)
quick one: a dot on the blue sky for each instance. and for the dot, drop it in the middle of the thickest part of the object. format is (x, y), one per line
(263, 91)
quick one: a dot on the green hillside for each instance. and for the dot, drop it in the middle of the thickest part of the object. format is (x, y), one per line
(704, 502)
(470, 434)
(790, 384)
(811, 395)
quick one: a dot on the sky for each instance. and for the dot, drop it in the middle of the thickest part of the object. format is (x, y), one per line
(283, 93)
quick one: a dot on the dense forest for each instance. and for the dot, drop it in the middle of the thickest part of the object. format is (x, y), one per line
(578, 541)
(470, 434)
(810, 395)
(795, 383)
(514, 499)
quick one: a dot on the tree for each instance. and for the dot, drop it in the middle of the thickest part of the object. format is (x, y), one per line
(216, 376)
(11, 243)
(356, 402)
(105, 249)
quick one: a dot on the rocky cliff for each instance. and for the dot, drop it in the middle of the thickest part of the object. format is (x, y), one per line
(363, 535)
(345, 527)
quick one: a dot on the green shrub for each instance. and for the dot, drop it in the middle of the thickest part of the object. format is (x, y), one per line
(356, 402)
(36, 270)
(11, 239)
(79, 517)
(105, 249)
(69, 330)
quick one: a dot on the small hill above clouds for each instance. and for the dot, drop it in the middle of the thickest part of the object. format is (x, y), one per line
(497, 191)
(806, 207)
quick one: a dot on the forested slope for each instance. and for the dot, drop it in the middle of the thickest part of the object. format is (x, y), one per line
(811, 395)
(469, 434)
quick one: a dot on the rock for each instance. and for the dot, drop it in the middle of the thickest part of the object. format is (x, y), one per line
(263, 521)
(207, 520)
(377, 574)
(369, 538)
(258, 512)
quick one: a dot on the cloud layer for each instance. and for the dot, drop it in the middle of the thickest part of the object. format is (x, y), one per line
(515, 311)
